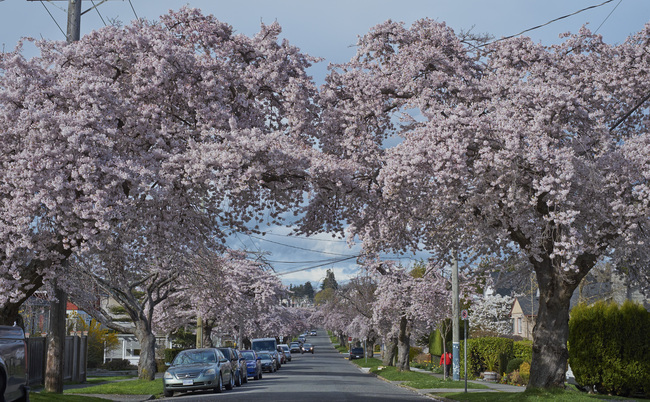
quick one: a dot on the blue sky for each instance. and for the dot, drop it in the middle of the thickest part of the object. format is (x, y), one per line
(329, 29)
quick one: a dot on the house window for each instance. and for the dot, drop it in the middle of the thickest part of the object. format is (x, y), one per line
(519, 325)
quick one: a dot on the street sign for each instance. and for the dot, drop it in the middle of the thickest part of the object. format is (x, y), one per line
(464, 314)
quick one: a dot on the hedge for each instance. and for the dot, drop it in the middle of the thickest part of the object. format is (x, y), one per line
(480, 350)
(609, 347)
(170, 354)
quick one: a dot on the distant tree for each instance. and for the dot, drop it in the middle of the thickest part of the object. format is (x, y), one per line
(308, 291)
(330, 281)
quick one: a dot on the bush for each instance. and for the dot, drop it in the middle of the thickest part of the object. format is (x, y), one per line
(170, 354)
(161, 367)
(609, 347)
(523, 350)
(524, 372)
(482, 350)
(118, 365)
(414, 351)
(514, 365)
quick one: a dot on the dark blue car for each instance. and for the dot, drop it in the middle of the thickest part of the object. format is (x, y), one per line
(253, 364)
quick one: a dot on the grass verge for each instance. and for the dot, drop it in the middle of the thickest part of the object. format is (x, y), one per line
(50, 397)
(412, 378)
(131, 387)
(529, 396)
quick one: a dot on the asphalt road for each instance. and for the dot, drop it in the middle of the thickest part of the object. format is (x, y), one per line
(325, 376)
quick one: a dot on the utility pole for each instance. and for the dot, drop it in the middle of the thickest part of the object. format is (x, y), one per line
(74, 21)
(455, 315)
(57, 331)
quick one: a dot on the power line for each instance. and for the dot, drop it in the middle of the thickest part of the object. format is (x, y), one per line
(134, 13)
(608, 15)
(314, 266)
(549, 22)
(302, 248)
(53, 19)
(97, 9)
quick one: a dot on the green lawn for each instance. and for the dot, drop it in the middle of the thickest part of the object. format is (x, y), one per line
(421, 380)
(412, 378)
(530, 396)
(131, 387)
(49, 397)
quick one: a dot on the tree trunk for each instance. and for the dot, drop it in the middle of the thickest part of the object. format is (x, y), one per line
(551, 331)
(55, 342)
(390, 352)
(403, 346)
(207, 335)
(147, 363)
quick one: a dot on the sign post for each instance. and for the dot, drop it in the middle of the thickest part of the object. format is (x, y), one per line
(465, 317)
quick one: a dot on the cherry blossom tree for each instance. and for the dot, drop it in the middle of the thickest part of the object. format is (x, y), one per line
(181, 111)
(490, 315)
(231, 294)
(430, 143)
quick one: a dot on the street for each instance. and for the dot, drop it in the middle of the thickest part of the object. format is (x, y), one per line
(324, 376)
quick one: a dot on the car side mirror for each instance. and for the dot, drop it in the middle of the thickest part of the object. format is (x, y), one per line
(259, 358)
(224, 360)
(242, 359)
(168, 364)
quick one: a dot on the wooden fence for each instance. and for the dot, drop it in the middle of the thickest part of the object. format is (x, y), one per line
(75, 359)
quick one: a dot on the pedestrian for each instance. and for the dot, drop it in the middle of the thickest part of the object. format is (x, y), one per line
(446, 360)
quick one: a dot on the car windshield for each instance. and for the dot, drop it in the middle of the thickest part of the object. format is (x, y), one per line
(357, 350)
(248, 355)
(264, 355)
(285, 348)
(194, 357)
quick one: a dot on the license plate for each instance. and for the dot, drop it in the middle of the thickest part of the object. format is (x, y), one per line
(188, 382)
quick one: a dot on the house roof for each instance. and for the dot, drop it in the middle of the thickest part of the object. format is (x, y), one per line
(528, 306)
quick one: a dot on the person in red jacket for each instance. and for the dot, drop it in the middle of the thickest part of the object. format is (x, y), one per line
(446, 360)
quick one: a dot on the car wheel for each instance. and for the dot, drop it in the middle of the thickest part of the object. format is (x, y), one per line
(231, 383)
(312, 352)
(168, 394)
(219, 386)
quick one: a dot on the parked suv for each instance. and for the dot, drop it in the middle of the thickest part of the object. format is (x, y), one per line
(238, 365)
(13, 364)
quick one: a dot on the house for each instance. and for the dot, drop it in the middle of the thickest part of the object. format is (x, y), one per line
(608, 286)
(523, 313)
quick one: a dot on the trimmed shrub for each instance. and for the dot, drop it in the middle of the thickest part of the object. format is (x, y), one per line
(481, 350)
(524, 372)
(523, 350)
(414, 351)
(118, 365)
(514, 365)
(609, 347)
(170, 354)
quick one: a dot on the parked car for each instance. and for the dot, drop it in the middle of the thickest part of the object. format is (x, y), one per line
(356, 353)
(294, 347)
(307, 348)
(313, 332)
(268, 362)
(13, 364)
(238, 365)
(276, 355)
(287, 351)
(281, 356)
(253, 364)
(198, 369)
